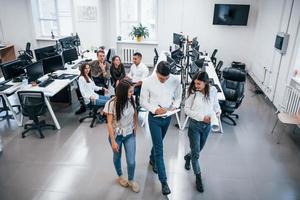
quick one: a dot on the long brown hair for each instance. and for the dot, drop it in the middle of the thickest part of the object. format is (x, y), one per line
(121, 98)
(113, 64)
(200, 76)
(86, 77)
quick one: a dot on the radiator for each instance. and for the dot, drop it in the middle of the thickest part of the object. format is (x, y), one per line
(291, 100)
(127, 54)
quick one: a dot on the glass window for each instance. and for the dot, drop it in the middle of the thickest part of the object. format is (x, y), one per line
(133, 12)
(55, 16)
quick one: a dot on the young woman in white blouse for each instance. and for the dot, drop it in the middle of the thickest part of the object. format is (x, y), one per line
(122, 124)
(202, 107)
(87, 87)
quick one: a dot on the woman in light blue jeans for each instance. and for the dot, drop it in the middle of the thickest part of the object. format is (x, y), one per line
(121, 124)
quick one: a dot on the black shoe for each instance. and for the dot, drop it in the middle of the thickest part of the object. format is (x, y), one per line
(82, 109)
(187, 159)
(199, 184)
(153, 166)
(165, 188)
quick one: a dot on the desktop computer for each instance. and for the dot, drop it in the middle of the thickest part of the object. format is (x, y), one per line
(53, 64)
(35, 71)
(45, 52)
(13, 70)
(70, 55)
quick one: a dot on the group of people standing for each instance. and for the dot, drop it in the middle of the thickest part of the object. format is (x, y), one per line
(158, 93)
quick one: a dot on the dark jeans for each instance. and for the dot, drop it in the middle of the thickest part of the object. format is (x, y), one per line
(158, 129)
(137, 93)
(198, 133)
(129, 143)
(101, 82)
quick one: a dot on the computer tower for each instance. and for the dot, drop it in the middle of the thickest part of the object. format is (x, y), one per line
(64, 96)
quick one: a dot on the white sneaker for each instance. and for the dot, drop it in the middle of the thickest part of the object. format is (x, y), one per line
(134, 186)
(123, 181)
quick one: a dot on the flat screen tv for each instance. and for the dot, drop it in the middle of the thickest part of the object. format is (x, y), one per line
(231, 14)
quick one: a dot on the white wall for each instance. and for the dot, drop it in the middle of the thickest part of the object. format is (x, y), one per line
(15, 17)
(194, 18)
(276, 17)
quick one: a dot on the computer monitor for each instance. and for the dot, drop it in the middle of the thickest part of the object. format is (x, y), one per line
(45, 52)
(194, 42)
(195, 55)
(70, 41)
(70, 55)
(200, 62)
(177, 55)
(12, 69)
(178, 39)
(52, 64)
(35, 71)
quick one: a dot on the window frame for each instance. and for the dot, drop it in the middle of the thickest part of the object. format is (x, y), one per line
(41, 19)
(139, 18)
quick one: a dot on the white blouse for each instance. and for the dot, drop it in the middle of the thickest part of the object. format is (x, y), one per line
(197, 107)
(88, 89)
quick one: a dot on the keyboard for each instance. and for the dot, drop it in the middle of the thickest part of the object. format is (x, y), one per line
(4, 87)
(46, 83)
(66, 76)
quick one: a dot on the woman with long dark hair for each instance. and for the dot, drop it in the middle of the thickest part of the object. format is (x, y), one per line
(87, 87)
(122, 124)
(202, 107)
(117, 71)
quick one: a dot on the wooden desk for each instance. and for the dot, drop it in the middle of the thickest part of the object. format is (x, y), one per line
(7, 53)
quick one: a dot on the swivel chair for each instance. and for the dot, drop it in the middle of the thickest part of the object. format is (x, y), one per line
(233, 87)
(33, 105)
(213, 57)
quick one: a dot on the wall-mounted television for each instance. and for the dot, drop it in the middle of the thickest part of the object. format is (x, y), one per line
(231, 14)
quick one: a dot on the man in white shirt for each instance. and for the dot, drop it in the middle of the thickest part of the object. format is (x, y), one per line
(160, 92)
(138, 72)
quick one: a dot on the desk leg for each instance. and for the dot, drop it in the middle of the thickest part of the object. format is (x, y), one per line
(52, 113)
(184, 123)
(12, 110)
(178, 121)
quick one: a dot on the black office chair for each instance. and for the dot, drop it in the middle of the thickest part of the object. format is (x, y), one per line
(218, 69)
(33, 105)
(155, 59)
(213, 57)
(5, 109)
(26, 55)
(93, 113)
(108, 56)
(82, 108)
(233, 87)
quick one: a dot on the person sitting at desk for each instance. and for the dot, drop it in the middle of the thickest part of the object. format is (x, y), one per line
(100, 69)
(138, 72)
(117, 71)
(87, 88)
(202, 106)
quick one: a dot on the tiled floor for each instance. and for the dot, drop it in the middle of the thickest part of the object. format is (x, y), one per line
(76, 162)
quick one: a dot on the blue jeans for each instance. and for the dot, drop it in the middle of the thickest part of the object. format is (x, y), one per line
(101, 100)
(197, 132)
(158, 129)
(130, 148)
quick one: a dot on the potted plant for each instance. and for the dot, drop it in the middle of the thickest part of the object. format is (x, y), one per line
(138, 32)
